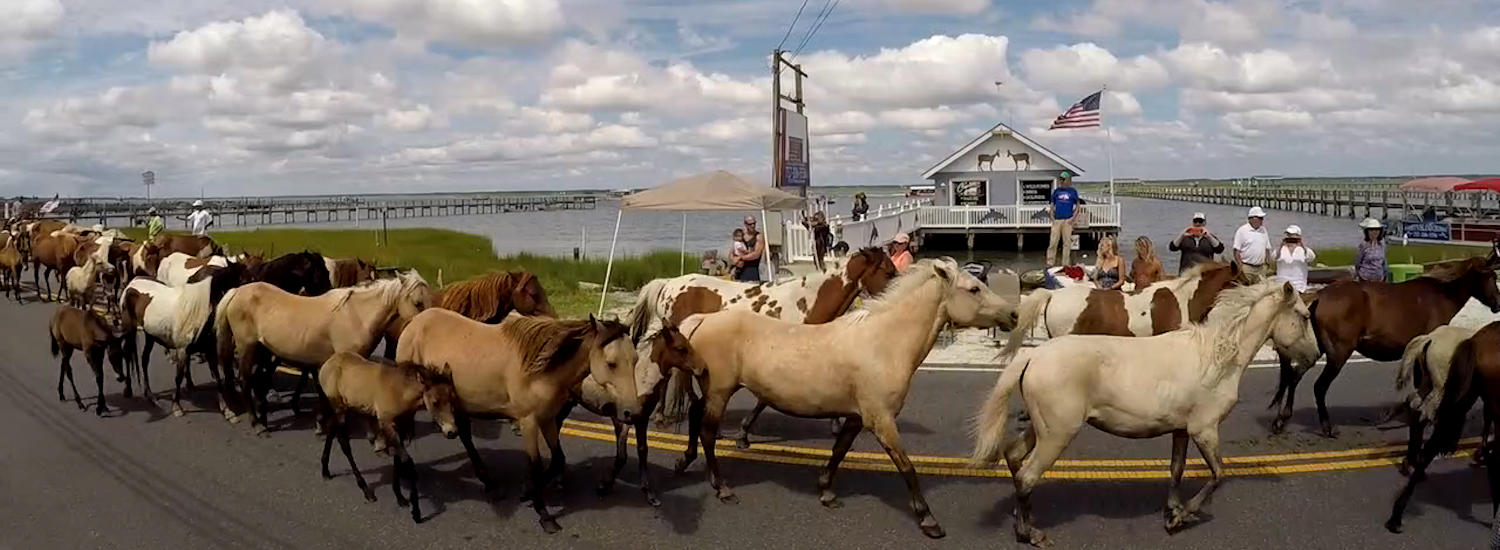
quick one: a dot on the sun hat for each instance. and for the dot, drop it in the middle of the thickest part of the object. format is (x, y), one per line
(1370, 223)
(1199, 216)
(901, 238)
(1293, 231)
(151, 210)
(1256, 212)
(197, 203)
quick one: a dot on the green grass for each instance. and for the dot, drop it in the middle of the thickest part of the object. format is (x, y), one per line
(1409, 254)
(450, 256)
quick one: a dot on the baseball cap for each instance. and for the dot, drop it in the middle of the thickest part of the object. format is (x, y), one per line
(902, 238)
(1199, 216)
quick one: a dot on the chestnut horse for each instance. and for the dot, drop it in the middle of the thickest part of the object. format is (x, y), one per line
(490, 297)
(192, 245)
(1379, 319)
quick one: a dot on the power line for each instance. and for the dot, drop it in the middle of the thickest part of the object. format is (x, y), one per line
(793, 25)
(818, 24)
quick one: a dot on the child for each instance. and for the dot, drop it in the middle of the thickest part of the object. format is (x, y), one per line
(737, 248)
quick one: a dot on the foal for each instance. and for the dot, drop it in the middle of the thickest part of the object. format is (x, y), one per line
(75, 329)
(391, 394)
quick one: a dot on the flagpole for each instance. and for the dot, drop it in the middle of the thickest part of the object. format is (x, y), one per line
(1109, 138)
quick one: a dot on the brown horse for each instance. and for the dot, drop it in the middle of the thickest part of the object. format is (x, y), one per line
(55, 253)
(665, 351)
(490, 297)
(347, 272)
(524, 368)
(1379, 319)
(192, 245)
(391, 394)
(10, 266)
(1474, 374)
(75, 329)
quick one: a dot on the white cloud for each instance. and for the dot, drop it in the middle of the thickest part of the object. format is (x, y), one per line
(1469, 94)
(846, 122)
(471, 22)
(1308, 99)
(406, 120)
(501, 148)
(1322, 27)
(921, 119)
(1120, 104)
(276, 46)
(1227, 22)
(594, 77)
(738, 129)
(1270, 70)
(1084, 66)
(1254, 123)
(931, 71)
(25, 23)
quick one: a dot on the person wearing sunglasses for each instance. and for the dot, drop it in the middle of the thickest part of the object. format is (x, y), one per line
(749, 262)
(1196, 243)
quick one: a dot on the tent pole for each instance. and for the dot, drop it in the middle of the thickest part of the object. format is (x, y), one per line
(682, 256)
(609, 267)
(765, 255)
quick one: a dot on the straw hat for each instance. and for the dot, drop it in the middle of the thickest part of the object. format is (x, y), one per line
(1371, 223)
(1256, 212)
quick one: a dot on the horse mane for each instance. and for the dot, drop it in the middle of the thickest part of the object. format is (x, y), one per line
(910, 280)
(481, 297)
(546, 344)
(389, 289)
(1219, 334)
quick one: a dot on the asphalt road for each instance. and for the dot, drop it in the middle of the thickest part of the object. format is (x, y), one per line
(142, 479)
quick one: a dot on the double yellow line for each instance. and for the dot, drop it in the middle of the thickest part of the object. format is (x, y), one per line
(1075, 469)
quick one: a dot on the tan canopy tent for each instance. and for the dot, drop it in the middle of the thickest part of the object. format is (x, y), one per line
(716, 190)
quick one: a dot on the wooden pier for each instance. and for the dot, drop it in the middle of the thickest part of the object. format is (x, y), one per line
(1351, 202)
(261, 212)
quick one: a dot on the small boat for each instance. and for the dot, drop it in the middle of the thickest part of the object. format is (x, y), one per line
(921, 191)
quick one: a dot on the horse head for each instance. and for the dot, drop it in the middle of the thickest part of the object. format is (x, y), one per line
(527, 296)
(605, 346)
(670, 350)
(439, 395)
(1474, 275)
(413, 297)
(872, 269)
(968, 302)
(1292, 330)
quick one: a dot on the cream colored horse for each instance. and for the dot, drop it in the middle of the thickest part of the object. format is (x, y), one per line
(857, 367)
(1424, 365)
(523, 368)
(259, 319)
(1129, 387)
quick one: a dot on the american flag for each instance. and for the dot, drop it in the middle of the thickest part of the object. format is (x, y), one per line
(1084, 114)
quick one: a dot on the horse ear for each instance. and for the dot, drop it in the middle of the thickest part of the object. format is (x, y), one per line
(942, 271)
(1288, 294)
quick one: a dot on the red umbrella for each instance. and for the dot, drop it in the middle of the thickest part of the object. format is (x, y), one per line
(1438, 183)
(1492, 184)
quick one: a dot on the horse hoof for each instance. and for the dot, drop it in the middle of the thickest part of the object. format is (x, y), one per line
(1278, 426)
(1035, 538)
(831, 502)
(127, 393)
(231, 418)
(1405, 468)
(727, 497)
(370, 497)
(653, 501)
(1329, 432)
(681, 466)
(550, 526)
(1477, 461)
(177, 412)
(1393, 526)
(933, 531)
(327, 475)
(742, 443)
(401, 502)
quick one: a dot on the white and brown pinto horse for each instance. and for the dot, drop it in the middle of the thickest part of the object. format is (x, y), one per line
(179, 319)
(258, 319)
(1128, 387)
(1162, 307)
(524, 368)
(789, 366)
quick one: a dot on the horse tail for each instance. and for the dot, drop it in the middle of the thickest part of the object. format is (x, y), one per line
(989, 425)
(1031, 309)
(640, 315)
(223, 332)
(675, 404)
(1412, 358)
(1464, 386)
(52, 337)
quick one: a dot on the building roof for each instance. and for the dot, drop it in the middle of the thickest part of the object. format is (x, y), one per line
(999, 130)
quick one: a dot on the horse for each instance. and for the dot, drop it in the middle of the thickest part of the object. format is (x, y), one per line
(81, 281)
(348, 272)
(791, 366)
(391, 395)
(660, 354)
(75, 329)
(1379, 319)
(192, 245)
(523, 368)
(1127, 387)
(177, 268)
(145, 257)
(260, 318)
(178, 318)
(10, 266)
(53, 251)
(1425, 365)
(1159, 308)
(1474, 374)
(818, 297)
(490, 297)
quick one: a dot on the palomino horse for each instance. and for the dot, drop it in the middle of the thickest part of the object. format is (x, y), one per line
(1379, 319)
(818, 298)
(1425, 366)
(260, 318)
(1159, 308)
(524, 368)
(791, 366)
(660, 354)
(1474, 374)
(75, 329)
(1129, 388)
(490, 297)
(191, 245)
(391, 395)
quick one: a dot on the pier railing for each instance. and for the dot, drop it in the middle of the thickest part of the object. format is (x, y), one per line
(883, 223)
(1375, 202)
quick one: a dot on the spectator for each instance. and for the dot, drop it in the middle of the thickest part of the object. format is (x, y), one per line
(901, 251)
(1370, 262)
(1108, 266)
(1196, 243)
(737, 249)
(1064, 199)
(1146, 269)
(200, 219)
(1293, 258)
(154, 224)
(861, 207)
(750, 261)
(1252, 245)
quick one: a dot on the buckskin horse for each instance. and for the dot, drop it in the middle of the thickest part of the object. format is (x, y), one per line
(1184, 383)
(1379, 319)
(790, 366)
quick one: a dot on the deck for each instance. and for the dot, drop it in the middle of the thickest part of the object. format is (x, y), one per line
(919, 217)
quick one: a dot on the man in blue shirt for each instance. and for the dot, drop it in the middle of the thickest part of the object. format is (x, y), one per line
(1062, 205)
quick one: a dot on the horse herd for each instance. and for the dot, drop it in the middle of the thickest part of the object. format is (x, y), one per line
(492, 348)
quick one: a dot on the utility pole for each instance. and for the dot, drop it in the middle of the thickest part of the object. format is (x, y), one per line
(149, 179)
(790, 153)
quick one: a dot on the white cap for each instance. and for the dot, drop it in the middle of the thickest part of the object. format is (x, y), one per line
(1256, 212)
(1370, 223)
(1199, 216)
(197, 203)
(902, 238)
(1293, 230)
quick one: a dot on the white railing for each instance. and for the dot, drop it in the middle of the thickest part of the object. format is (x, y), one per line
(798, 243)
(1011, 216)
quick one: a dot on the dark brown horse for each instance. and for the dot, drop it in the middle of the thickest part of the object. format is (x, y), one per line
(1474, 374)
(347, 272)
(1378, 319)
(75, 329)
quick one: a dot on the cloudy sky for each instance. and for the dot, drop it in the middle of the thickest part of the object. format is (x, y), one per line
(346, 96)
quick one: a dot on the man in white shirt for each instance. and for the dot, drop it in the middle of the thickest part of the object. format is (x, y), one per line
(200, 219)
(1252, 246)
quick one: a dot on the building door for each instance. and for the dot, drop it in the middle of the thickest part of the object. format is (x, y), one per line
(971, 193)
